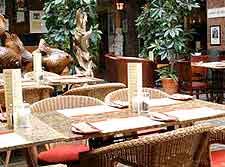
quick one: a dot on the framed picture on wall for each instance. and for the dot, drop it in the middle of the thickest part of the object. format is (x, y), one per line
(215, 35)
(2, 7)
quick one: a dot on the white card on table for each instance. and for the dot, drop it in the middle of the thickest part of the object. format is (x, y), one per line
(134, 80)
(13, 92)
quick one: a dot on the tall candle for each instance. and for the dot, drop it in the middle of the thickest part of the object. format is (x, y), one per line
(37, 65)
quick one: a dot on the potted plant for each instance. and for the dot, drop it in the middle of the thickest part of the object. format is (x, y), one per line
(161, 30)
(169, 79)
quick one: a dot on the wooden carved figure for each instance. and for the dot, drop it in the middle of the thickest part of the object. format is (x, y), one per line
(53, 60)
(81, 44)
(2, 24)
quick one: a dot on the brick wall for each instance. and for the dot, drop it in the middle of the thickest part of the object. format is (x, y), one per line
(216, 21)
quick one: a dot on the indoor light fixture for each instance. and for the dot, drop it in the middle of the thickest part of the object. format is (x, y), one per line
(120, 5)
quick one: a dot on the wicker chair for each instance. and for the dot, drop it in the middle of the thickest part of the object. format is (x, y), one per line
(62, 102)
(122, 94)
(65, 153)
(182, 147)
(31, 94)
(215, 158)
(98, 91)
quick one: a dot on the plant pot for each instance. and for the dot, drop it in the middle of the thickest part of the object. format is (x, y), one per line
(170, 86)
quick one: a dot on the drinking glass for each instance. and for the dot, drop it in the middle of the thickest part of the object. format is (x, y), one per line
(139, 102)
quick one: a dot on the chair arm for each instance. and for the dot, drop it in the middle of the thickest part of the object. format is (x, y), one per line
(217, 135)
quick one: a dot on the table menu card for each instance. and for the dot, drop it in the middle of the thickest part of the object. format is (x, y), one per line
(13, 93)
(195, 113)
(114, 125)
(134, 81)
(37, 65)
(73, 112)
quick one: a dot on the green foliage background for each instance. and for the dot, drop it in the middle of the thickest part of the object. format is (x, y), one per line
(160, 27)
(60, 22)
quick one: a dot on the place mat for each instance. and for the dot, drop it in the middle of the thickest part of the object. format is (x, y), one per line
(73, 112)
(160, 102)
(30, 83)
(159, 116)
(119, 104)
(26, 80)
(70, 80)
(84, 128)
(178, 96)
(115, 125)
(195, 113)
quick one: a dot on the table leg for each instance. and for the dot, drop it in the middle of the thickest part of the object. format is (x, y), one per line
(217, 94)
(31, 156)
(220, 83)
(7, 159)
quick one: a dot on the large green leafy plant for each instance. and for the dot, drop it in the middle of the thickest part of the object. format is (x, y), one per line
(61, 23)
(160, 27)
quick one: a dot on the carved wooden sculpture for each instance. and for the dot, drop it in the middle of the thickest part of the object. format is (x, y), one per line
(54, 60)
(9, 59)
(14, 54)
(13, 42)
(81, 44)
(2, 24)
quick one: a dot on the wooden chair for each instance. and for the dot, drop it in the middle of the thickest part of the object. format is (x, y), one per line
(187, 82)
(65, 153)
(181, 147)
(199, 73)
(116, 69)
(122, 94)
(98, 91)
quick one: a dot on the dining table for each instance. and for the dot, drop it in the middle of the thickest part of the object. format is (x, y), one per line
(120, 121)
(60, 83)
(71, 80)
(61, 125)
(217, 69)
(27, 138)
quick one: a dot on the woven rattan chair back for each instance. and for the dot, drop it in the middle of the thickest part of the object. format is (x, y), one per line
(62, 102)
(31, 94)
(122, 94)
(98, 91)
(216, 136)
(178, 148)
